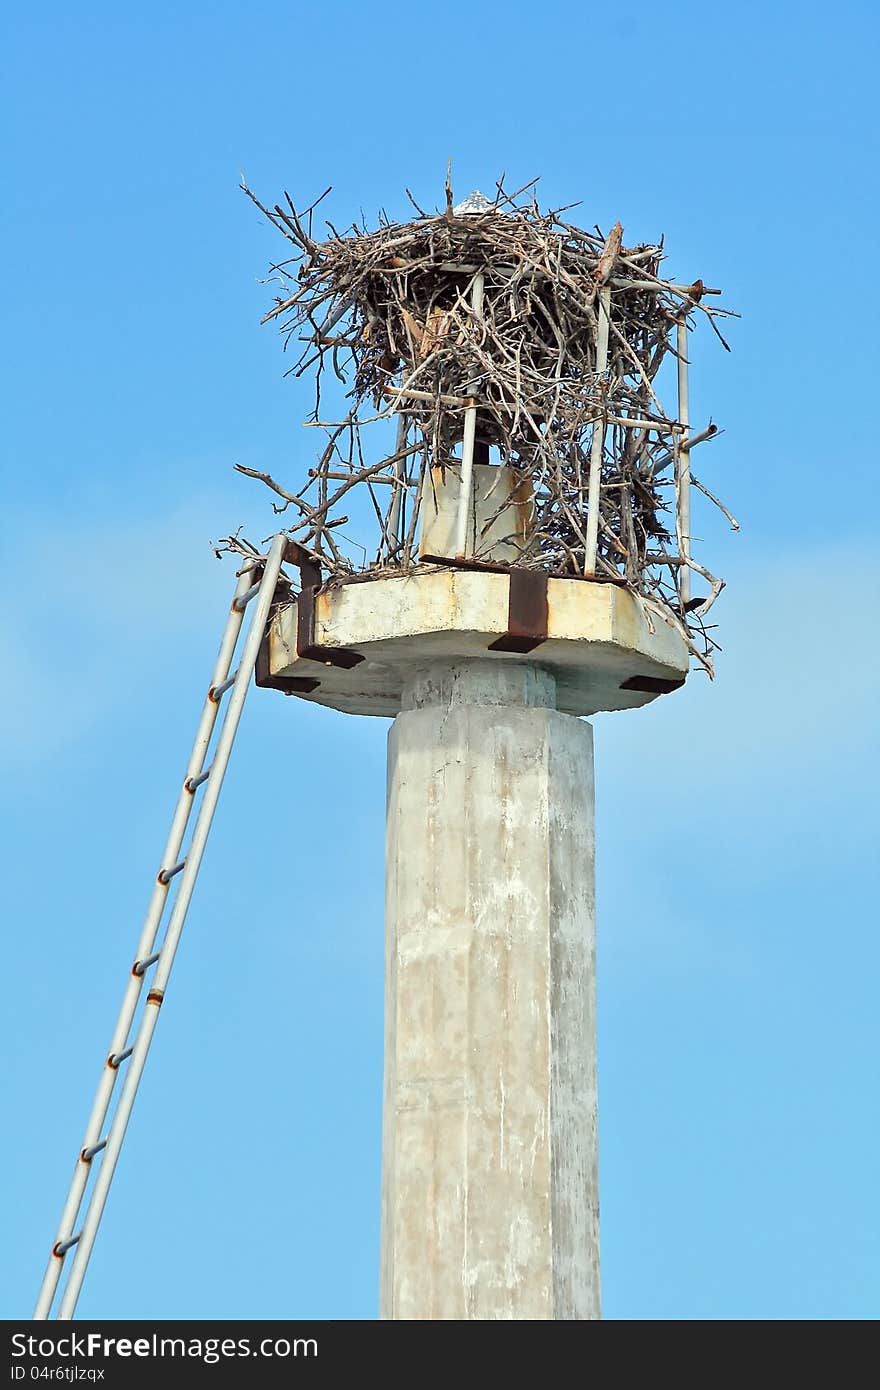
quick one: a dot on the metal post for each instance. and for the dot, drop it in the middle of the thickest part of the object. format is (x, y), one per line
(399, 472)
(467, 444)
(683, 467)
(175, 926)
(598, 441)
(146, 942)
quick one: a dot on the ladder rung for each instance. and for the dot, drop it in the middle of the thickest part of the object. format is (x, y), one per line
(244, 599)
(141, 965)
(116, 1058)
(62, 1246)
(166, 875)
(89, 1153)
(192, 782)
(217, 690)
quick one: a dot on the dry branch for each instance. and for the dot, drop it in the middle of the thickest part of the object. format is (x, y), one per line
(555, 367)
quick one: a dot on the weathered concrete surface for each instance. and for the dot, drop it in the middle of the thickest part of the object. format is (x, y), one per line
(501, 513)
(490, 1199)
(599, 637)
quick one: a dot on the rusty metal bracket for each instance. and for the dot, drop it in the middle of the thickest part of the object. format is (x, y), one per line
(309, 568)
(306, 646)
(455, 562)
(651, 685)
(288, 685)
(527, 613)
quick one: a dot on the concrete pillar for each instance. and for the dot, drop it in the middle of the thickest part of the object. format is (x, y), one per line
(489, 1185)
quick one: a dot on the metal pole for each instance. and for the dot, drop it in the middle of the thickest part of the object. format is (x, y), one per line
(710, 432)
(598, 440)
(146, 942)
(156, 994)
(467, 443)
(399, 469)
(683, 468)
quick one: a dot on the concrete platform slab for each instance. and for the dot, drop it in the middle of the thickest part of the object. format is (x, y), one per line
(604, 650)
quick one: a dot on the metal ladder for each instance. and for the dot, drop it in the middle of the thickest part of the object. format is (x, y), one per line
(131, 1040)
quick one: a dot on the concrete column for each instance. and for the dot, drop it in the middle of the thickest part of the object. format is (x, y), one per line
(489, 1185)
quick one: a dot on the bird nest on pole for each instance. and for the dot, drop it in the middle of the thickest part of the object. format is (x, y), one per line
(494, 325)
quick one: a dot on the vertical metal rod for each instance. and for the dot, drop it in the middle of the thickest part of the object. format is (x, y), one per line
(467, 443)
(147, 939)
(116, 1134)
(598, 441)
(683, 468)
(399, 468)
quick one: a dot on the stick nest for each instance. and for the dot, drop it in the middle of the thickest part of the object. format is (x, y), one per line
(497, 307)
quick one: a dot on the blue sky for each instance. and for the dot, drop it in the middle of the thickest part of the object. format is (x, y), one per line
(737, 908)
